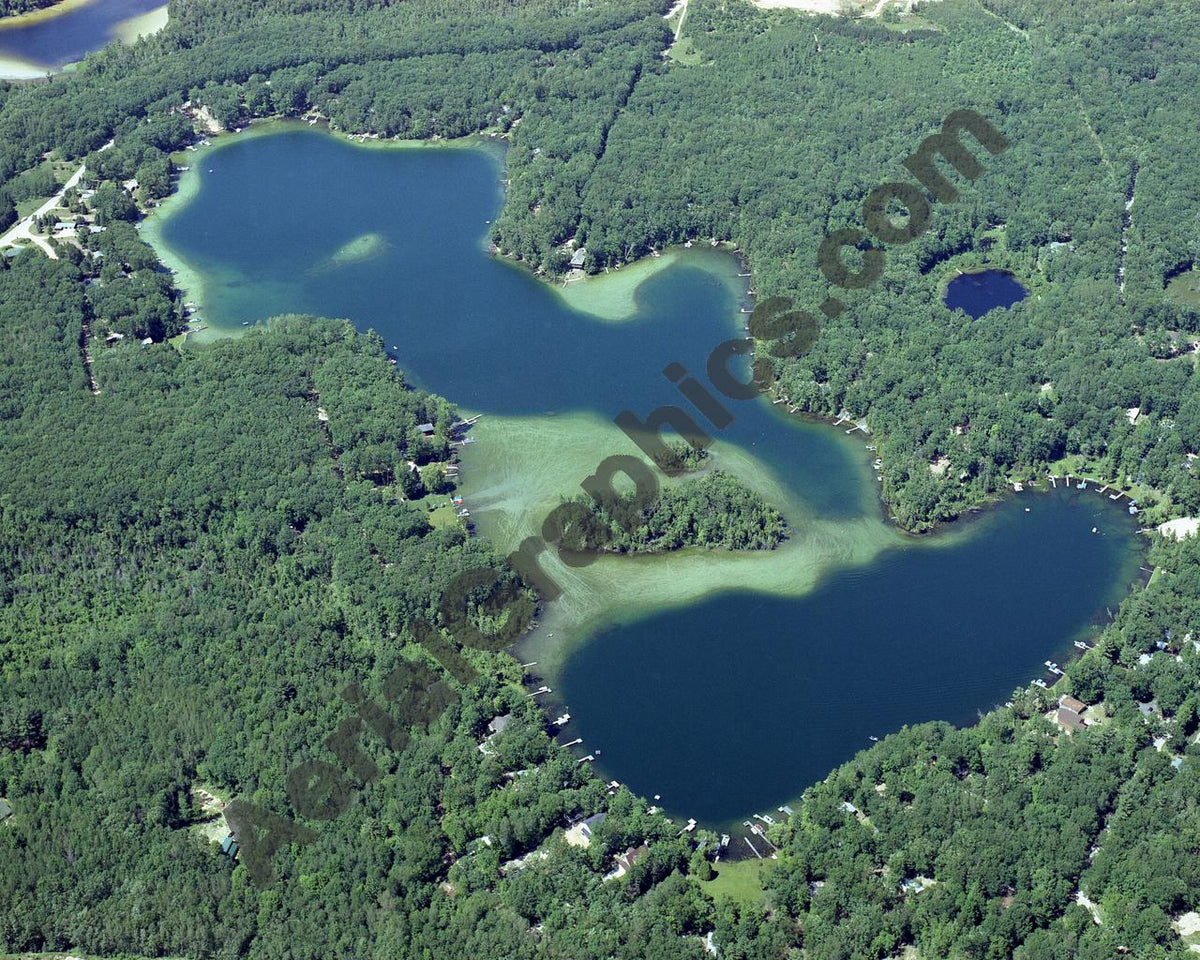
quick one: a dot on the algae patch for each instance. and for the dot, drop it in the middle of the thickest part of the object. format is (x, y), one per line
(367, 246)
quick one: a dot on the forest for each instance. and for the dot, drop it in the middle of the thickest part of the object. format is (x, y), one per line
(195, 564)
(715, 510)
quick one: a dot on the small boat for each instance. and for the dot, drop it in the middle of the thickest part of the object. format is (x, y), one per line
(873, 739)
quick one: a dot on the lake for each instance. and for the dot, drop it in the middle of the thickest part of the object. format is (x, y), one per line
(48, 40)
(977, 293)
(724, 682)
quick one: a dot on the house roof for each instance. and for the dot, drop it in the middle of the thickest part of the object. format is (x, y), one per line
(498, 724)
(1069, 719)
(5, 809)
(578, 257)
(1070, 703)
(425, 427)
(632, 856)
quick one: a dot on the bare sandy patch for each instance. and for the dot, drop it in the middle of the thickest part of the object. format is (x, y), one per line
(1180, 529)
(839, 8)
(843, 7)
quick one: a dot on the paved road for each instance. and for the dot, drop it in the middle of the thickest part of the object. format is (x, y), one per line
(24, 229)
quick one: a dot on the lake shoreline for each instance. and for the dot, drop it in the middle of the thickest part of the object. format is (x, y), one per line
(846, 610)
(626, 278)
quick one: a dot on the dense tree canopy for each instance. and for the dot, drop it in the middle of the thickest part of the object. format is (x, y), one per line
(202, 549)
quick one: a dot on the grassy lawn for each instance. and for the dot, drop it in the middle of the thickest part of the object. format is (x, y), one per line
(684, 51)
(740, 880)
(1185, 288)
(907, 22)
(443, 517)
(26, 207)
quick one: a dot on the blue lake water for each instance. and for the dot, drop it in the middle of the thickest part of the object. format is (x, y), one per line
(732, 704)
(977, 293)
(69, 36)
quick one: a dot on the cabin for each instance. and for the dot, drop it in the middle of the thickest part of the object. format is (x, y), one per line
(594, 820)
(229, 847)
(1069, 713)
(498, 724)
(426, 429)
(623, 862)
(580, 834)
(631, 856)
(578, 258)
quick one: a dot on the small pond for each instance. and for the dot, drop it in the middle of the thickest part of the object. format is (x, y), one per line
(977, 293)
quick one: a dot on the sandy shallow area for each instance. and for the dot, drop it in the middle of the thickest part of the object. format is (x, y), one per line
(142, 25)
(12, 68)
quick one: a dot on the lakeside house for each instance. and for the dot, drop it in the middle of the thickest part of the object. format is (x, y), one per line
(580, 834)
(498, 724)
(593, 821)
(578, 258)
(1069, 715)
(631, 856)
(623, 862)
(495, 725)
(1069, 720)
(426, 429)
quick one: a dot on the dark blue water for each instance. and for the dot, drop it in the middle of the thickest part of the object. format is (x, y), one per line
(474, 328)
(70, 36)
(977, 293)
(738, 702)
(735, 704)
